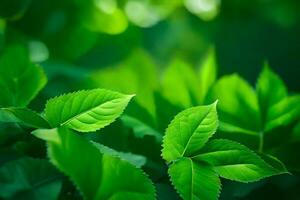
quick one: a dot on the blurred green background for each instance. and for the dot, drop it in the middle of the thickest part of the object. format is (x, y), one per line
(74, 39)
(83, 35)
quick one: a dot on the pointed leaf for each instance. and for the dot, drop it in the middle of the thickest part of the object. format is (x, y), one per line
(283, 113)
(140, 128)
(207, 74)
(97, 175)
(179, 84)
(29, 178)
(142, 73)
(23, 116)
(237, 104)
(87, 110)
(234, 161)
(270, 90)
(194, 180)
(20, 80)
(134, 159)
(189, 131)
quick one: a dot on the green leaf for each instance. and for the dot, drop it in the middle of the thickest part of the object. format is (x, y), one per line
(137, 64)
(207, 74)
(87, 110)
(234, 161)
(194, 180)
(29, 178)
(23, 116)
(189, 131)
(140, 128)
(97, 175)
(270, 90)
(237, 104)
(283, 113)
(179, 84)
(20, 80)
(134, 159)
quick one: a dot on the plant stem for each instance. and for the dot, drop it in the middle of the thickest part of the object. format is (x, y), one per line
(261, 142)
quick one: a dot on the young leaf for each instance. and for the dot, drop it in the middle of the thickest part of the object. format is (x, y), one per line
(234, 161)
(189, 131)
(87, 110)
(29, 178)
(97, 175)
(195, 180)
(20, 80)
(23, 116)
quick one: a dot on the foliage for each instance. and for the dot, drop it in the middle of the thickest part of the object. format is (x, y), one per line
(144, 99)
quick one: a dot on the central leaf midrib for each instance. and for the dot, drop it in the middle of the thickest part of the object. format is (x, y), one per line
(86, 111)
(193, 132)
(215, 152)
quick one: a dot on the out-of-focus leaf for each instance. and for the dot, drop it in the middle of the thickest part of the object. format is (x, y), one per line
(136, 75)
(165, 111)
(189, 131)
(271, 110)
(207, 74)
(195, 180)
(140, 129)
(204, 9)
(20, 80)
(283, 113)
(147, 13)
(270, 91)
(237, 104)
(234, 161)
(24, 116)
(179, 84)
(111, 21)
(134, 159)
(29, 178)
(87, 110)
(97, 175)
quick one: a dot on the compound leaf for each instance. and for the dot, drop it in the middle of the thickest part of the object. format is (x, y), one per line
(87, 110)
